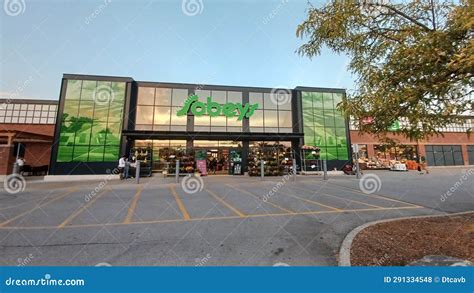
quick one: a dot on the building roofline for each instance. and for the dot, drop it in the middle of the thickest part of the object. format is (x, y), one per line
(28, 101)
(195, 85)
(96, 77)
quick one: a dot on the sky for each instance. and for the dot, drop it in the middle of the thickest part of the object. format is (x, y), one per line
(234, 42)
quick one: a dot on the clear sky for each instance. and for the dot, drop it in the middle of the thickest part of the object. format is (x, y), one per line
(236, 42)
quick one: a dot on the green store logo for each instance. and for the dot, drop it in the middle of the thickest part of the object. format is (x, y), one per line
(214, 109)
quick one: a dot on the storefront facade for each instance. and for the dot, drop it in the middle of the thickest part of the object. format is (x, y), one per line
(101, 118)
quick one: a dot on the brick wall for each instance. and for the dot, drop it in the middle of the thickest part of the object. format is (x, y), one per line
(7, 159)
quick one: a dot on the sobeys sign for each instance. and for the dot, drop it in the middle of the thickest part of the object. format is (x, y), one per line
(214, 109)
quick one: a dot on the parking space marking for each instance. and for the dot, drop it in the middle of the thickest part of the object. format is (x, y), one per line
(258, 198)
(373, 195)
(133, 206)
(218, 198)
(312, 202)
(330, 195)
(181, 206)
(71, 190)
(212, 218)
(81, 209)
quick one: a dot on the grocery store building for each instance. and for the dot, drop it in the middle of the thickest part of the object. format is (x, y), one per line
(101, 118)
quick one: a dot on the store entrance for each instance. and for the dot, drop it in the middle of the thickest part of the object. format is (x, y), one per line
(218, 157)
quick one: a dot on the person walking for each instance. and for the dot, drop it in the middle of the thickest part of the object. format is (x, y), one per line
(121, 166)
(127, 168)
(20, 162)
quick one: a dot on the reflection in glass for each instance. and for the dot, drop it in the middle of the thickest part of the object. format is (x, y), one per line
(146, 96)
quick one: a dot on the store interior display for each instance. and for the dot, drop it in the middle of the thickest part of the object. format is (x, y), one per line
(277, 159)
(311, 161)
(145, 157)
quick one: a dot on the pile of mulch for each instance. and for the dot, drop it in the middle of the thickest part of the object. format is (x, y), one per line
(398, 243)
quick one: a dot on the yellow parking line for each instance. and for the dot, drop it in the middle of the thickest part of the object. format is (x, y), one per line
(133, 206)
(236, 211)
(377, 196)
(181, 206)
(267, 202)
(37, 207)
(327, 194)
(312, 201)
(82, 208)
(211, 218)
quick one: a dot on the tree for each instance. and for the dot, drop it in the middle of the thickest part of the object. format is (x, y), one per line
(414, 61)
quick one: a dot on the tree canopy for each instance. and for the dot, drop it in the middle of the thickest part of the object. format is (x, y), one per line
(413, 60)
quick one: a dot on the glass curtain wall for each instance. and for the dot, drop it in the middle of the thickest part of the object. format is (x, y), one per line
(325, 126)
(219, 123)
(273, 114)
(91, 123)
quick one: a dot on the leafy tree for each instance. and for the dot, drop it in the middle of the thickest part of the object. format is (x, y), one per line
(414, 60)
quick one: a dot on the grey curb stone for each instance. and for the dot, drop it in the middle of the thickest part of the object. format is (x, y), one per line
(345, 250)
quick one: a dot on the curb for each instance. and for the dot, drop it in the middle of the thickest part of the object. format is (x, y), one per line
(345, 250)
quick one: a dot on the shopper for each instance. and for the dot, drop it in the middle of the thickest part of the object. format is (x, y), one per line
(213, 165)
(121, 166)
(20, 162)
(127, 168)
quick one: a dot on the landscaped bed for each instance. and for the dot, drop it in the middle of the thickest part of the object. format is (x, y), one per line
(397, 243)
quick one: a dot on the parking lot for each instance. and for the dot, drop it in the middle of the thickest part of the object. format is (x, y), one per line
(220, 220)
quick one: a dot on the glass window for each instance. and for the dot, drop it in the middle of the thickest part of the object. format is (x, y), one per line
(118, 91)
(202, 120)
(88, 90)
(256, 98)
(177, 120)
(257, 119)
(179, 96)
(163, 97)
(86, 109)
(146, 96)
(203, 94)
(270, 118)
(328, 101)
(219, 97)
(96, 154)
(115, 111)
(162, 116)
(71, 109)
(85, 130)
(73, 91)
(144, 115)
(218, 121)
(284, 118)
(268, 102)
(234, 97)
